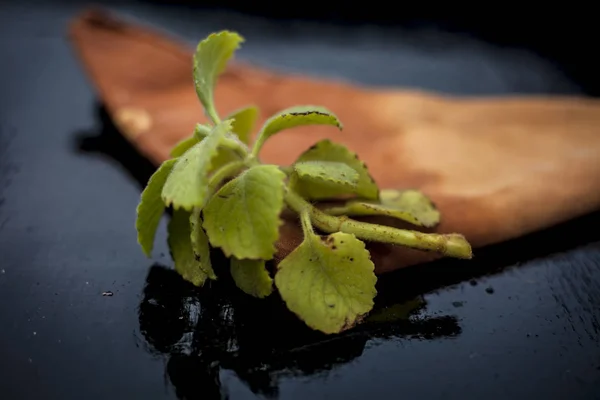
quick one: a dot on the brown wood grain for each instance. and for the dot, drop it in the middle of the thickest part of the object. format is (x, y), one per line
(497, 168)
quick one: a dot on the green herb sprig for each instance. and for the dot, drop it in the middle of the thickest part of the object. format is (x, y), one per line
(224, 197)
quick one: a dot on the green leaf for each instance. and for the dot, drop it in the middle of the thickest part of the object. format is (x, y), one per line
(180, 244)
(224, 156)
(326, 150)
(242, 218)
(328, 173)
(187, 185)
(252, 277)
(411, 206)
(151, 207)
(210, 60)
(227, 145)
(329, 284)
(244, 121)
(412, 202)
(200, 245)
(183, 146)
(293, 117)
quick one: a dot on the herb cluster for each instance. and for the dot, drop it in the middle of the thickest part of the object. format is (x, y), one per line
(223, 197)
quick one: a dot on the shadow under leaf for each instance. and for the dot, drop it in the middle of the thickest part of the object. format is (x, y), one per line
(108, 141)
(493, 259)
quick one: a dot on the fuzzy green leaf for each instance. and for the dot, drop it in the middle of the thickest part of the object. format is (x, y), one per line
(411, 206)
(183, 146)
(225, 155)
(327, 173)
(180, 245)
(187, 185)
(151, 207)
(414, 203)
(326, 150)
(210, 60)
(329, 284)
(252, 277)
(200, 245)
(293, 117)
(242, 218)
(244, 122)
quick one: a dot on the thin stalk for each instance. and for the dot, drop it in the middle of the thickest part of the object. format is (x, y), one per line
(236, 145)
(307, 228)
(227, 171)
(258, 144)
(212, 114)
(452, 245)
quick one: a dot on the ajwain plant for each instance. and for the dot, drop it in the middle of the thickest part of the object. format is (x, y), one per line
(223, 196)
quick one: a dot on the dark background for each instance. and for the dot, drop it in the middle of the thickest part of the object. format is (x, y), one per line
(520, 321)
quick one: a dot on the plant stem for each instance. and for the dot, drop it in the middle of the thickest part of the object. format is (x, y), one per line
(225, 172)
(337, 210)
(212, 114)
(452, 245)
(236, 145)
(307, 228)
(260, 140)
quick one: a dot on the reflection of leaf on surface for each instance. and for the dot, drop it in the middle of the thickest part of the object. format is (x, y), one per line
(397, 312)
(193, 377)
(168, 302)
(205, 331)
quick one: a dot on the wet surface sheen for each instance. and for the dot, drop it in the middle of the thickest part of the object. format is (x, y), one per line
(520, 321)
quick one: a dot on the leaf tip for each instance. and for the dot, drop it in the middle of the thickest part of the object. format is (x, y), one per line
(146, 250)
(456, 245)
(233, 36)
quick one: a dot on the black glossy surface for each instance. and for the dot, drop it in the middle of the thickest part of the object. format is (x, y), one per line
(522, 321)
